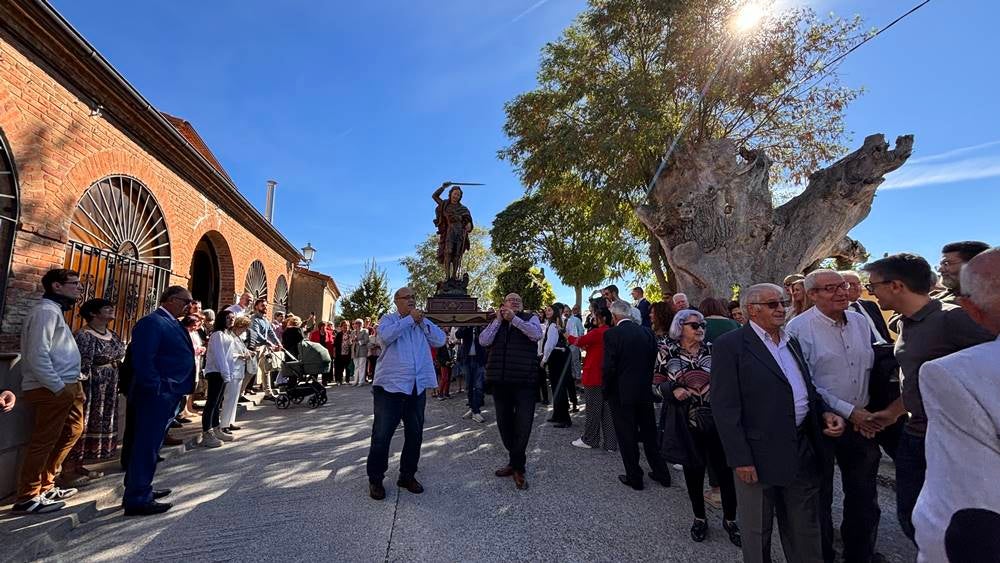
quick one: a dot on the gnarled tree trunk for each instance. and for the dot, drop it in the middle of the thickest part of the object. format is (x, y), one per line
(713, 216)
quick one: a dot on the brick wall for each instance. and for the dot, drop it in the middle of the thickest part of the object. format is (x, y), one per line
(59, 150)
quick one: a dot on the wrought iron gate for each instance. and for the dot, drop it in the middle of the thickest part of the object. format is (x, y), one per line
(133, 286)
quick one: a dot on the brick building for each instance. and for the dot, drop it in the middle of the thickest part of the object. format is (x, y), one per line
(94, 178)
(314, 292)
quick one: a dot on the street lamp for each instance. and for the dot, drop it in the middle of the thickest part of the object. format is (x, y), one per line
(308, 253)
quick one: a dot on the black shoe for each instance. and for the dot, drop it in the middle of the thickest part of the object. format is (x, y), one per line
(661, 479)
(699, 529)
(376, 491)
(160, 493)
(234, 427)
(148, 509)
(269, 398)
(160, 458)
(549, 419)
(175, 423)
(574, 409)
(733, 529)
(624, 481)
(183, 420)
(243, 399)
(562, 425)
(411, 485)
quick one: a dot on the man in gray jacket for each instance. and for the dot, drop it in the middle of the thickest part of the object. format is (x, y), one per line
(50, 368)
(359, 351)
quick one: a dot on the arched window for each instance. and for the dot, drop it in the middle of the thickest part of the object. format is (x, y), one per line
(9, 214)
(256, 281)
(281, 295)
(120, 245)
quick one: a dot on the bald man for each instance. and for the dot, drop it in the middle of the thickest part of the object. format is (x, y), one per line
(963, 409)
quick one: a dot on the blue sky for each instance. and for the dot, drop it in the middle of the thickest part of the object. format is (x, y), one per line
(360, 110)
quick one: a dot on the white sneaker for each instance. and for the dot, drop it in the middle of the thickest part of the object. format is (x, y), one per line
(468, 414)
(221, 435)
(208, 440)
(678, 467)
(478, 417)
(581, 444)
(55, 493)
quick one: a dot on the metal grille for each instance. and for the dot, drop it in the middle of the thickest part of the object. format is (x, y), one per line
(133, 286)
(9, 213)
(119, 214)
(281, 295)
(256, 281)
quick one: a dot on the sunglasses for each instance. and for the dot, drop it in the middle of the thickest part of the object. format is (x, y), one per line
(696, 326)
(774, 304)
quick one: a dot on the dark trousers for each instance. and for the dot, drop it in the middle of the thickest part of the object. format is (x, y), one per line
(152, 414)
(475, 375)
(390, 409)
(710, 447)
(560, 379)
(543, 385)
(858, 458)
(635, 422)
(911, 467)
(515, 411)
(796, 505)
(340, 364)
(213, 401)
(128, 433)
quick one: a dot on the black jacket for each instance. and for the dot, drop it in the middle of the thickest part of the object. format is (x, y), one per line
(469, 336)
(629, 360)
(875, 313)
(513, 357)
(754, 410)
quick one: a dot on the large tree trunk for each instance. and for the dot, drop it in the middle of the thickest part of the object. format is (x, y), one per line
(713, 216)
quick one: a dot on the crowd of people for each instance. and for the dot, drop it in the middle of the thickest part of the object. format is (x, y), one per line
(767, 394)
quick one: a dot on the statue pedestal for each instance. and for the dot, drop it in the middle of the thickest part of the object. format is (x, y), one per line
(456, 310)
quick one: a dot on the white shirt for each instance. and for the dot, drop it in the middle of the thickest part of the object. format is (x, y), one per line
(236, 309)
(839, 356)
(786, 361)
(549, 340)
(221, 356)
(962, 443)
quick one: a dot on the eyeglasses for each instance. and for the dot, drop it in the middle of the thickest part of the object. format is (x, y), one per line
(696, 326)
(871, 286)
(948, 263)
(774, 304)
(833, 287)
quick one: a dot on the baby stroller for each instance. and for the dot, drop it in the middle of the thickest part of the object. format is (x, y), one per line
(298, 378)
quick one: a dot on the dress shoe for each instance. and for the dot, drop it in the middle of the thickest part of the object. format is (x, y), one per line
(376, 490)
(243, 399)
(176, 424)
(234, 427)
(562, 425)
(160, 458)
(149, 509)
(550, 420)
(661, 479)
(733, 529)
(411, 485)
(171, 441)
(183, 420)
(505, 471)
(699, 530)
(624, 481)
(519, 481)
(160, 493)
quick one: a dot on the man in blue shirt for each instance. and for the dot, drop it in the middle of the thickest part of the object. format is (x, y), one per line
(403, 374)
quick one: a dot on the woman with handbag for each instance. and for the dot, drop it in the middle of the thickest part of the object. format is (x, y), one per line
(683, 379)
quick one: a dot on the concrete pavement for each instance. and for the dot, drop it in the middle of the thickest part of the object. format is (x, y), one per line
(294, 488)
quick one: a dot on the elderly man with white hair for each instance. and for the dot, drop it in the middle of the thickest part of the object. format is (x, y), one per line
(680, 301)
(770, 419)
(963, 417)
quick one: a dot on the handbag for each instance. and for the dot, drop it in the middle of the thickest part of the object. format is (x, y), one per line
(700, 414)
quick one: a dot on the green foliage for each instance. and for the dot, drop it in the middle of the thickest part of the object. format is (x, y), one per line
(370, 299)
(479, 261)
(529, 282)
(614, 91)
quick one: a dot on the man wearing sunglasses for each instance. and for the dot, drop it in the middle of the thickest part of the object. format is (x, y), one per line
(836, 343)
(163, 372)
(770, 419)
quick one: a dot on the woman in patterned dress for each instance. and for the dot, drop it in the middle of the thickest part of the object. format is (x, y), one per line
(101, 352)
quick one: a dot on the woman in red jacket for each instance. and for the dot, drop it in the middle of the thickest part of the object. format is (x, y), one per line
(323, 334)
(598, 414)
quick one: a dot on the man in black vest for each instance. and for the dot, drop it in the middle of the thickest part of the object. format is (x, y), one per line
(511, 371)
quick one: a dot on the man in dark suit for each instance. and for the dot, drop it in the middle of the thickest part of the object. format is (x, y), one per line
(163, 368)
(629, 359)
(869, 309)
(769, 417)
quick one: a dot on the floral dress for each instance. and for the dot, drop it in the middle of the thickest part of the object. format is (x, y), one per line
(100, 356)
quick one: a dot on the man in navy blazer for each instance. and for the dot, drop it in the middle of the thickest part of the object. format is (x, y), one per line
(163, 366)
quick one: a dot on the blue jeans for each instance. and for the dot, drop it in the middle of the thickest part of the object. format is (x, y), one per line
(152, 416)
(390, 409)
(475, 377)
(911, 467)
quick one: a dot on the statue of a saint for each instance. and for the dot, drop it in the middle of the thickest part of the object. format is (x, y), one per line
(454, 223)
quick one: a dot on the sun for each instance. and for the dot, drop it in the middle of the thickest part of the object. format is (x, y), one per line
(748, 16)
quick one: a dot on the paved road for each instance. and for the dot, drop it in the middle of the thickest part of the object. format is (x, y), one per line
(294, 488)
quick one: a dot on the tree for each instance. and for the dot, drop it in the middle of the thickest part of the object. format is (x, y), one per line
(529, 282)
(479, 261)
(629, 76)
(370, 299)
(569, 228)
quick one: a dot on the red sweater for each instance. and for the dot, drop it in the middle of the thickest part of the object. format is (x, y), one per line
(593, 343)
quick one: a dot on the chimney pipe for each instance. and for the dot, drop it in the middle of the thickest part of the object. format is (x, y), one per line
(269, 206)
